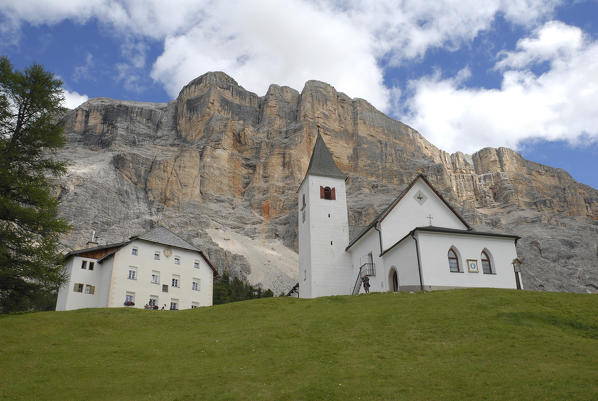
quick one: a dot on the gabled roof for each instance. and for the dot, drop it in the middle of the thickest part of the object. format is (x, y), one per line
(322, 163)
(96, 248)
(164, 236)
(386, 211)
(159, 235)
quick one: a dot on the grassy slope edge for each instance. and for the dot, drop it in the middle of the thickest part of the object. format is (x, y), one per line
(461, 344)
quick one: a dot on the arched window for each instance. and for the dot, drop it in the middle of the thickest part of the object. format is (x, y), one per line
(453, 261)
(327, 193)
(486, 265)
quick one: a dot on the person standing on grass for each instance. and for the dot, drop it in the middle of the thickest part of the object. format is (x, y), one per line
(366, 284)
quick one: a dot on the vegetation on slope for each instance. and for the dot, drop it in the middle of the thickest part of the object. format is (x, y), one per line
(445, 345)
(234, 290)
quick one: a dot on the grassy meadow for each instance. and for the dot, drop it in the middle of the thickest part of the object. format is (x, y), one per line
(481, 344)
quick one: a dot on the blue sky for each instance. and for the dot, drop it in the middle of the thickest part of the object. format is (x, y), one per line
(465, 74)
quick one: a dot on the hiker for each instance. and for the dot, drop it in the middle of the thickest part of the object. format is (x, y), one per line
(366, 284)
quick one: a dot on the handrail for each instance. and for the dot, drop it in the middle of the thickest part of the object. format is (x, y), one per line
(357, 285)
(366, 269)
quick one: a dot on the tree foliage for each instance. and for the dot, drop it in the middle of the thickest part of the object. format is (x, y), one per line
(233, 290)
(30, 266)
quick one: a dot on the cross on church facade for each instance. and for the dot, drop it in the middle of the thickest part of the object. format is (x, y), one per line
(420, 197)
(429, 217)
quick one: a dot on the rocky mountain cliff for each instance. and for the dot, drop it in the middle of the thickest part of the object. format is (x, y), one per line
(221, 166)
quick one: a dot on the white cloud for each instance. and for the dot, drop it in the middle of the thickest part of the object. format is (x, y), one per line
(265, 42)
(83, 71)
(286, 41)
(73, 99)
(555, 40)
(558, 104)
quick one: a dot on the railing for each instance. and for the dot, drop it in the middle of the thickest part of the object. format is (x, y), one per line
(366, 269)
(294, 292)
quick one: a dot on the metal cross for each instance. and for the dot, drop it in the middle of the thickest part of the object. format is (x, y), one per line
(429, 217)
(420, 197)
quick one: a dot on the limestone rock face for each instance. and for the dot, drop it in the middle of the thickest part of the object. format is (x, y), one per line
(221, 166)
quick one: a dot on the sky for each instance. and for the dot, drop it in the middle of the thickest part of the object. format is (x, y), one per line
(466, 74)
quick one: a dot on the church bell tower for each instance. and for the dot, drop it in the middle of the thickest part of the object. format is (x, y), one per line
(324, 265)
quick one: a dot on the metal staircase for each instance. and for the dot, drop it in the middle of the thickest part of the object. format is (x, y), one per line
(294, 292)
(367, 268)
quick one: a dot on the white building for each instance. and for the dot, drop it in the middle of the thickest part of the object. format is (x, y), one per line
(419, 242)
(156, 268)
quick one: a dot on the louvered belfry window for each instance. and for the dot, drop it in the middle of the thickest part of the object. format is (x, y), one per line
(327, 193)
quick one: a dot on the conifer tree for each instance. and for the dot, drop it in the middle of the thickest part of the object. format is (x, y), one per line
(30, 266)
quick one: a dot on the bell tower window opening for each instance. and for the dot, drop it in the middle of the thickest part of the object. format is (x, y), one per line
(327, 193)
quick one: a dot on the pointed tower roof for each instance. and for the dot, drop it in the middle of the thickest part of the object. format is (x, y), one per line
(322, 163)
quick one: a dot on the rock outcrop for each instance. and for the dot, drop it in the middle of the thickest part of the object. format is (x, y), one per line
(221, 166)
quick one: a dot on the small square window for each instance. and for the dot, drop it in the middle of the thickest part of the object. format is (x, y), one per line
(177, 260)
(164, 287)
(89, 289)
(134, 251)
(132, 273)
(130, 299)
(84, 264)
(196, 264)
(91, 265)
(78, 287)
(156, 255)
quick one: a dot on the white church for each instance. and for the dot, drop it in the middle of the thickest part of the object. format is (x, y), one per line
(419, 242)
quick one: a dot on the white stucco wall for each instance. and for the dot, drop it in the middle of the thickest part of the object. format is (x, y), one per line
(303, 224)
(327, 267)
(111, 281)
(404, 258)
(145, 263)
(370, 242)
(63, 291)
(434, 249)
(409, 213)
(68, 299)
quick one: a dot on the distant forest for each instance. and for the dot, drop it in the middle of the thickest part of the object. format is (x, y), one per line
(233, 290)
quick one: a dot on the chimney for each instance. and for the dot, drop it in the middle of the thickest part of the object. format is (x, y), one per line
(94, 240)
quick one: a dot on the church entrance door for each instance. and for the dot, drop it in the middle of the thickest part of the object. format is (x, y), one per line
(394, 280)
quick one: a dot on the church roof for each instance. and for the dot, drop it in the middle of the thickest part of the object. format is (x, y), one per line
(386, 211)
(434, 229)
(322, 163)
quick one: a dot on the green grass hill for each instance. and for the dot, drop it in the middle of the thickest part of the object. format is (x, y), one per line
(447, 345)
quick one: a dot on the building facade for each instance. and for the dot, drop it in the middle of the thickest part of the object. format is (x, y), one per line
(419, 242)
(156, 269)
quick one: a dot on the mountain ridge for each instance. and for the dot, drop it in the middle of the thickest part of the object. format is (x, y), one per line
(220, 157)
